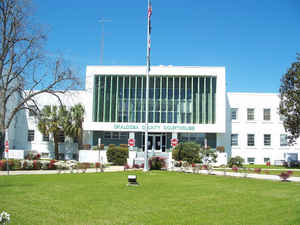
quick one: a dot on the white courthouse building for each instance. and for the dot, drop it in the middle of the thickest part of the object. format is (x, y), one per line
(187, 103)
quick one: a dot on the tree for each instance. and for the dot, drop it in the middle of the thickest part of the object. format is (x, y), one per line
(74, 123)
(25, 71)
(289, 106)
(52, 121)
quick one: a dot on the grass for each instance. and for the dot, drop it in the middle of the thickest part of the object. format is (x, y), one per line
(162, 198)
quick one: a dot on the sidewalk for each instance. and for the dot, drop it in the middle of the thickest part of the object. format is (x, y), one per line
(90, 170)
(244, 175)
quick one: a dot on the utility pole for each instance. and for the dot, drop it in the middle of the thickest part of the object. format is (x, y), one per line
(102, 21)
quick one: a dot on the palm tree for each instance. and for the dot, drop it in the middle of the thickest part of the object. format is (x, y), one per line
(74, 123)
(52, 121)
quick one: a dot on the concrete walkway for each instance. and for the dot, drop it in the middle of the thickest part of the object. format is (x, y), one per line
(177, 169)
(91, 170)
(241, 174)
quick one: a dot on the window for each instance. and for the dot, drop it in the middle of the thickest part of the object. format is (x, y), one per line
(250, 114)
(45, 137)
(250, 140)
(30, 135)
(267, 114)
(61, 137)
(267, 139)
(234, 140)
(251, 160)
(234, 114)
(266, 160)
(283, 140)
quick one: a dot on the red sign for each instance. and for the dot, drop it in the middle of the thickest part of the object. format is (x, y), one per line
(131, 142)
(6, 146)
(174, 142)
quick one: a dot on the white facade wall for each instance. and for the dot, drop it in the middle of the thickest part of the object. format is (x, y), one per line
(242, 126)
(224, 126)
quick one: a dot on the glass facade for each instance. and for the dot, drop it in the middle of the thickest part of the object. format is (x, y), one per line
(172, 99)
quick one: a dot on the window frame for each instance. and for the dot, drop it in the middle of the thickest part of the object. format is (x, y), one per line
(267, 114)
(250, 116)
(235, 141)
(285, 143)
(234, 111)
(249, 137)
(30, 135)
(266, 141)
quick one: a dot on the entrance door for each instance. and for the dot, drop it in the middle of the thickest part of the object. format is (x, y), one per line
(155, 142)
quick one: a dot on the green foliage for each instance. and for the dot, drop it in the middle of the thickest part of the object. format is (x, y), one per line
(157, 163)
(187, 151)
(117, 155)
(52, 120)
(236, 161)
(289, 106)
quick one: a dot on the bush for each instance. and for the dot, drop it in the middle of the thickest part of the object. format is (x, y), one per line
(220, 148)
(124, 145)
(237, 161)
(188, 151)
(117, 155)
(156, 163)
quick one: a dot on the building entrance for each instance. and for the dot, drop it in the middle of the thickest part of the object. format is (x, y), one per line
(155, 142)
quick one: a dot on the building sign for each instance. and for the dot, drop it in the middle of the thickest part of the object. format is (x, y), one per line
(154, 127)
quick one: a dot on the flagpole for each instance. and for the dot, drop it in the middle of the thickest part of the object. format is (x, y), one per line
(146, 166)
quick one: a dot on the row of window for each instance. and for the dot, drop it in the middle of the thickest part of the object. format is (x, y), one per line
(31, 136)
(251, 114)
(251, 160)
(251, 140)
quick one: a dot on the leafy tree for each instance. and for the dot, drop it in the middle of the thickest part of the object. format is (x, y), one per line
(187, 151)
(52, 121)
(25, 72)
(236, 161)
(74, 123)
(289, 106)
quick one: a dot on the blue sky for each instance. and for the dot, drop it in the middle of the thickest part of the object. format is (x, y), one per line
(256, 40)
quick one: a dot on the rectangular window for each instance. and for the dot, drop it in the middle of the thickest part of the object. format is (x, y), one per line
(45, 137)
(234, 140)
(251, 160)
(267, 114)
(283, 140)
(32, 110)
(234, 114)
(30, 135)
(266, 160)
(267, 139)
(250, 114)
(251, 140)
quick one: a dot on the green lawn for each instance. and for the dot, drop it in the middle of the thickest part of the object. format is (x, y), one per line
(162, 198)
(264, 171)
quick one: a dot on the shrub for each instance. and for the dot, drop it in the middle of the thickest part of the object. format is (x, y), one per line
(156, 163)
(124, 145)
(235, 168)
(237, 161)
(117, 155)
(32, 155)
(86, 146)
(220, 148)
(284, 176)
(136, 166)
(51, 165)
(188, 151)
(12, 164)
(257, 170)
(111, 145)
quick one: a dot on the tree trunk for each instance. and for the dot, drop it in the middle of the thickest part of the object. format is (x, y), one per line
(56, 153)
(2, 141)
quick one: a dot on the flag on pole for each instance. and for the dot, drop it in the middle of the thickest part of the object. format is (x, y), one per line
(149, 33)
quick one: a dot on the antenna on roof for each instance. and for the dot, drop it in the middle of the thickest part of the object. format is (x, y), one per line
(102, 21)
